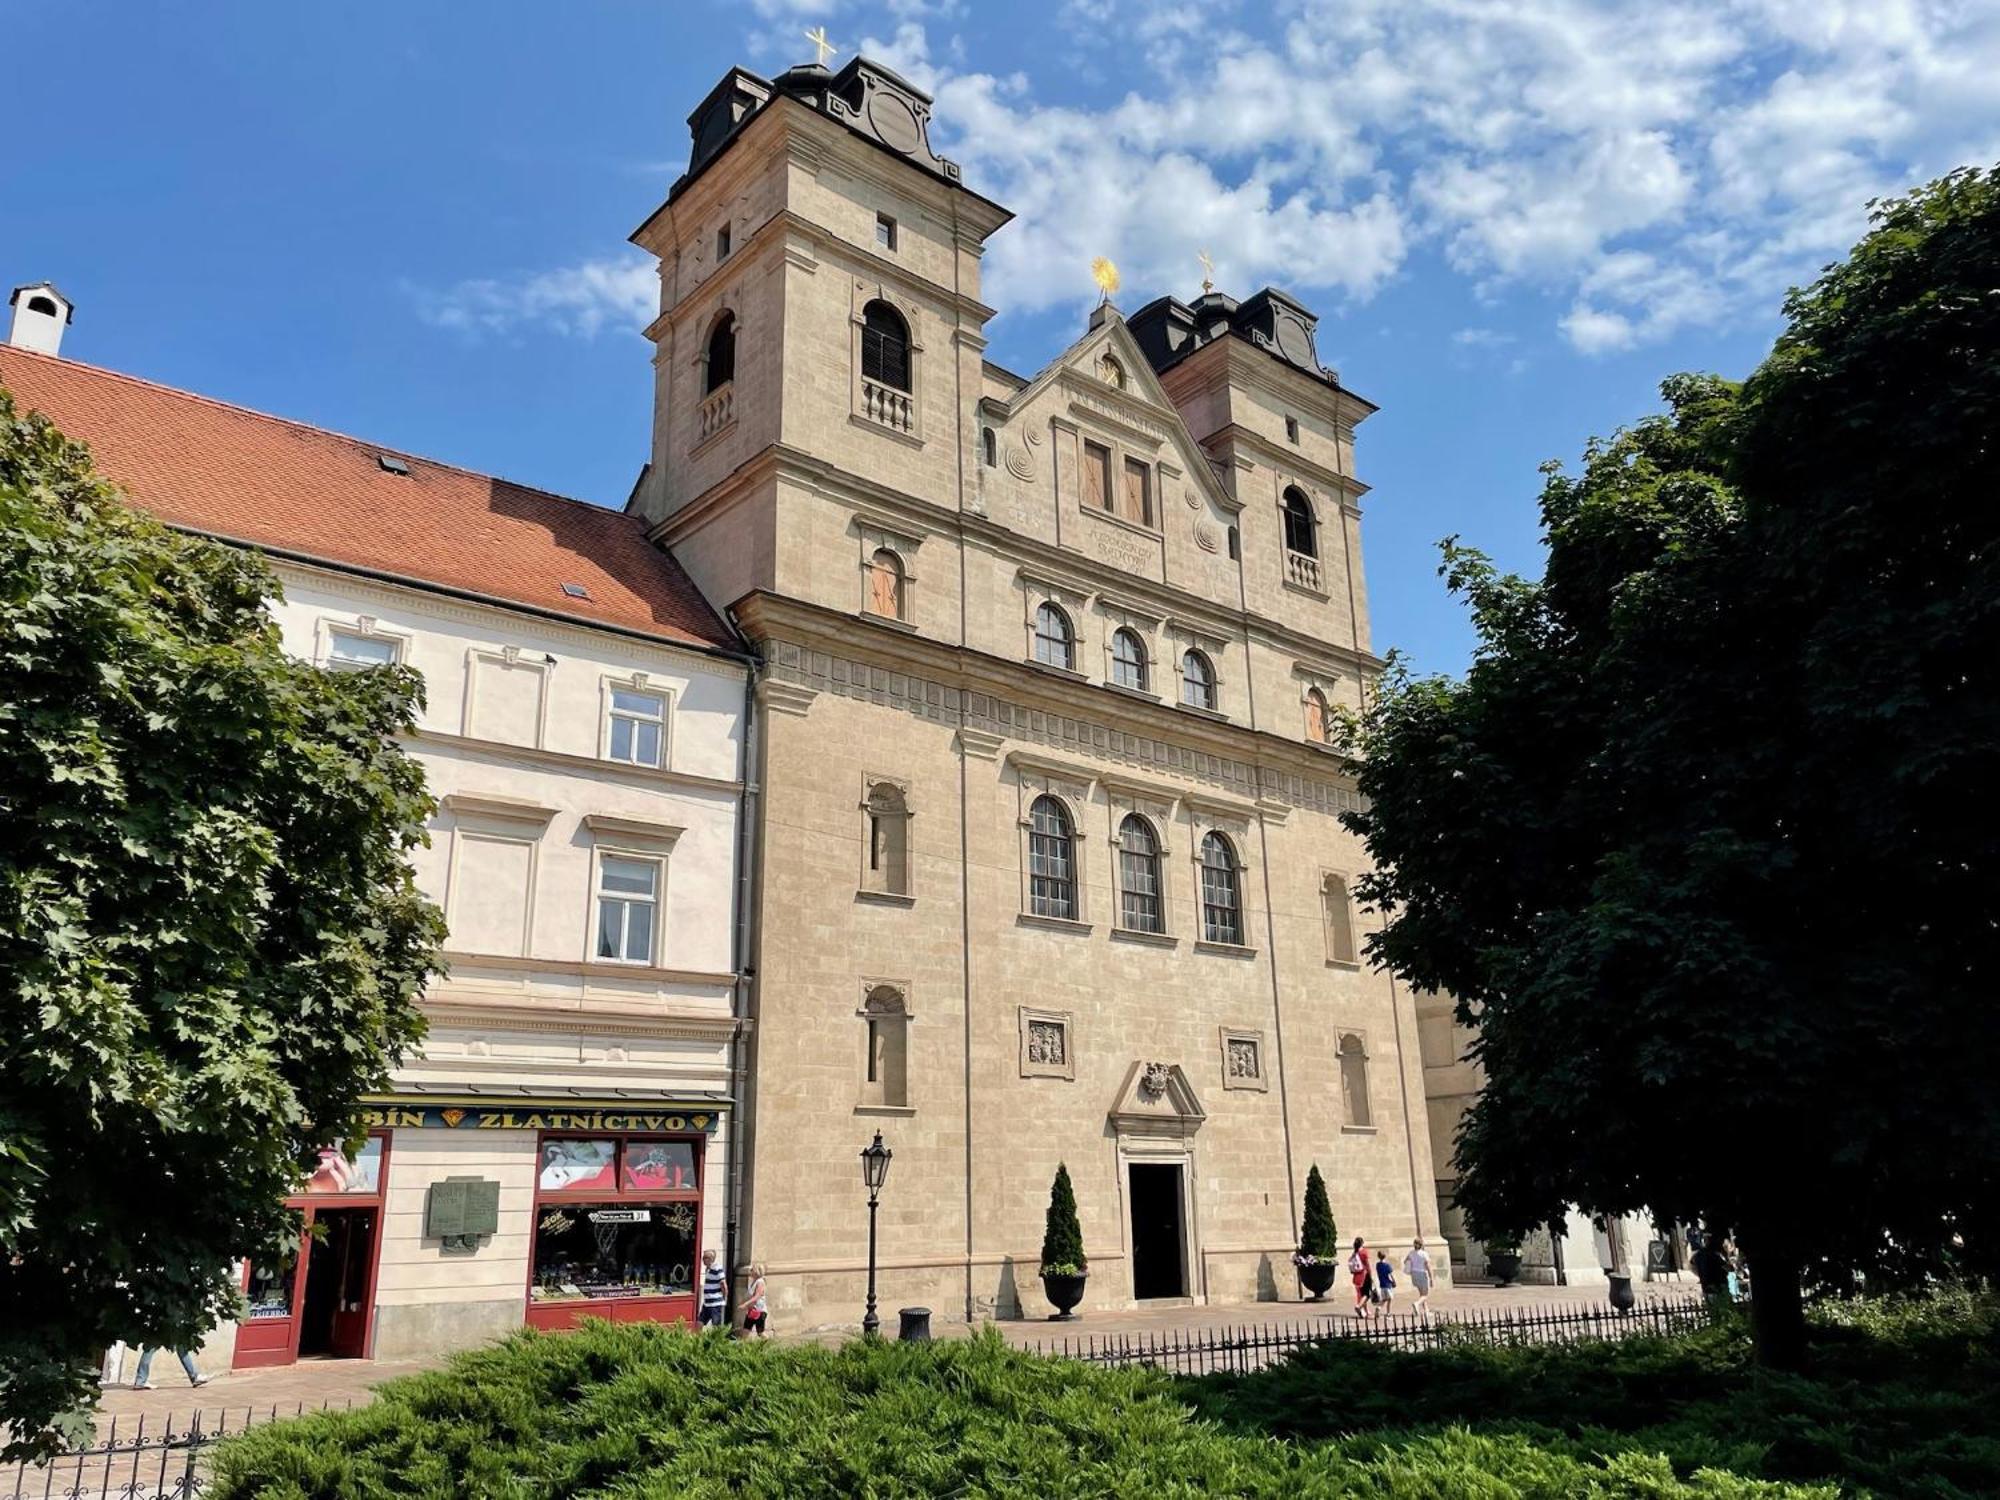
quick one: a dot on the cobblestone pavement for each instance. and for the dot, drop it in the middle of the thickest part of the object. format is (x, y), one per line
(233, 1394)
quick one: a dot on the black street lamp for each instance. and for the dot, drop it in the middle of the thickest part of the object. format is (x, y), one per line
(874, 1172)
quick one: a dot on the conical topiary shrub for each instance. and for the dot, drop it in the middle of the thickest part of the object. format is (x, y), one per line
(1062, 1236)
(1318, 1239)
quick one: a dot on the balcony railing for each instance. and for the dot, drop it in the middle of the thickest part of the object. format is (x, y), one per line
(887, 405)
(1303, 570)
(718, 410)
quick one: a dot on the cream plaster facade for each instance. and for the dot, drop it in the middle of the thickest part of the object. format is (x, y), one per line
(513, 740)
(1024, 1039)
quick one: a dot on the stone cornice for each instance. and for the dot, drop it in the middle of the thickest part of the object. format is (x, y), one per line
(500, 1015)
(708, 978)
(609, 770)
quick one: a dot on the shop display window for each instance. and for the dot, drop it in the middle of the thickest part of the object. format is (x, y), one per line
(577, 1166)
(657, 1166)
(608, 1250)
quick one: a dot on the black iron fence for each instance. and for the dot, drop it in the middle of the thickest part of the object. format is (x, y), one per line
(1240, 1350)
(142, 1458)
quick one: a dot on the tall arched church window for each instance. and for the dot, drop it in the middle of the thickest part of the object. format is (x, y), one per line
(1197, 681)
(1055, 639)
(1339, 920)
(1128, 660)
(888, 813)
(1221, 892)
(886, 1073)
(1317, 717)
(721, 360)
(885, 584)
(1139, 905)
(1300, 531)
(885, 346)
(1051, 861)
(1354, 1081)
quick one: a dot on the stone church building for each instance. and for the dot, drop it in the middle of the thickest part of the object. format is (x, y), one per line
(1049, 862)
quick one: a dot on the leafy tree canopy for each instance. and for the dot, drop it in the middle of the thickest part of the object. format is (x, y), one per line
(210, 941)
(1704, 844)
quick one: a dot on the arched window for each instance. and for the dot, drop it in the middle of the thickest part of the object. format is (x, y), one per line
(1316, 716)
(1111, 372)
(885, 346)
(1128, 660)
(989, 448)
(1221, 892)
(1354, 1081)
(44, 305)
(886, 1076)
(1339, 920)
(885, 584)
(721, 354)
(1051, 861)
(888, 813)
(1198, 681)
(1299, 530)
(1139, 906)
(1055, 640)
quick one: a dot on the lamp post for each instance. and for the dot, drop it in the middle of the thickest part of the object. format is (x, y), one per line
(874, 1172)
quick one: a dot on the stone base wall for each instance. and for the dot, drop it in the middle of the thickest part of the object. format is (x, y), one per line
(415, 1330)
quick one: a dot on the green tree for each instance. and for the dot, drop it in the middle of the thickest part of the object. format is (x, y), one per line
(211, 945)
(1704, 842)
(1317, 1235)
(1062, 1235)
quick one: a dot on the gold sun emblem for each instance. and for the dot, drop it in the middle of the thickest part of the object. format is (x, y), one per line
(1105, 274)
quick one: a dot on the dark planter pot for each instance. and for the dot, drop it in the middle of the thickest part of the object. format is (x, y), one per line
(1621, 1291)
(1503, 1265)
(1063, 1292)
(1318, 1278)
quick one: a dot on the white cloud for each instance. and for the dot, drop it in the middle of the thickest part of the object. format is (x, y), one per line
(579, 301)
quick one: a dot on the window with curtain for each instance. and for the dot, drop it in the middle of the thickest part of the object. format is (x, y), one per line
(1128, 660)
(1197, 681)
(1139, 904)
(1221, 892)
(885, 346)
(1051, 861)
(721, 354)
(1055, 640)
(885, 584)
(1299, 530)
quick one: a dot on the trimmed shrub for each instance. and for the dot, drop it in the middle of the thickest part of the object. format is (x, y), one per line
(1318, 1239)
(1062, 1235)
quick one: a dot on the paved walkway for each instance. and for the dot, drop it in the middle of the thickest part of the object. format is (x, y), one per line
(234, 1395)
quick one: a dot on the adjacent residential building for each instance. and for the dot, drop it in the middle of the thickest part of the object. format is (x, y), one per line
(567, 1139)
(1050, 867)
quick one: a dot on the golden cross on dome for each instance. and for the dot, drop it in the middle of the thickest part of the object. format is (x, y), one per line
(1207, 272)
(821, 46)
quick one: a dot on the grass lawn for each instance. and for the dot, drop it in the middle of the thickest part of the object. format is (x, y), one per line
(1903, 1401)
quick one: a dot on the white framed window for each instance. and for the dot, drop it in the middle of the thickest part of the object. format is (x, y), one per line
(1197, 680)
(1221, 892)
(352, 650)
(636, 727)
(1055, 637)
(628, 908)
(1128, 660)
(1051, 861)
(1141, 901)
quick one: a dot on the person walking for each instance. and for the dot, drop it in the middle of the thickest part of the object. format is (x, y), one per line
(142, 1378)
(1357, 1267)
(1385, 1283)
(1417, 1266)
(714, 1292)
(756, 1310)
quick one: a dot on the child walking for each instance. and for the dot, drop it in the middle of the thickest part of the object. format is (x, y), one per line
(1385, 1277)
(756, 1310)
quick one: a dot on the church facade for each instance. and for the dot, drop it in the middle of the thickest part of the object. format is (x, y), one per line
(1049, 862)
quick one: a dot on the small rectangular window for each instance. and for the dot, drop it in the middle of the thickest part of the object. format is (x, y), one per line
(350, 649)
(1291, 429)
(628, 903)
(1138, 492)
(1096, 476)
(638, 726)
(885, 232)
(722, 243)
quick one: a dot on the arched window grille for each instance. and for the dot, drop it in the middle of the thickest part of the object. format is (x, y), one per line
(1055, 638)
(885, 346)
(1300, 534)
(1198, 681)
(1221, 892)
(1128, 660)
(1139, 905)
(1051, 861)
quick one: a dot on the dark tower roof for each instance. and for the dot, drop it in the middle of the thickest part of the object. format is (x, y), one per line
(1169, 330)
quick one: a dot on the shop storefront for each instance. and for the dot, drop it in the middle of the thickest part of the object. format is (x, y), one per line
(320, 1301)
(617, 1229)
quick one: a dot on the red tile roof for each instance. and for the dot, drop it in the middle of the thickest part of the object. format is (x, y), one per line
(235, 473)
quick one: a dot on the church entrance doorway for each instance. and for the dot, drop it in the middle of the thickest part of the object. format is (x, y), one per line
(1159, 1258)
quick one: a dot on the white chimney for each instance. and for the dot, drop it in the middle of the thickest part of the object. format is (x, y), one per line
(40, 315)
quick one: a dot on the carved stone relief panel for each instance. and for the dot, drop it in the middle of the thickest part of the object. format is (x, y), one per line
(1047, 1049)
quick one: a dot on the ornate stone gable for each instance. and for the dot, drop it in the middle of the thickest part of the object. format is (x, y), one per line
(1156, 1099)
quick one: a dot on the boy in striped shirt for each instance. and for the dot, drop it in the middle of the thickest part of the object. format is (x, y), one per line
(714, 1292)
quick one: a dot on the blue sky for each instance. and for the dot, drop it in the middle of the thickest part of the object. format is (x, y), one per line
(407, 220)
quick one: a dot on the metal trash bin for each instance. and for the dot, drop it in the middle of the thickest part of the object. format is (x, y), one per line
(916, 1325)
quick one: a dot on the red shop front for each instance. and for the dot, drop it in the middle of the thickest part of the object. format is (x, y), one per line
(321, 1302)
(617, 1229)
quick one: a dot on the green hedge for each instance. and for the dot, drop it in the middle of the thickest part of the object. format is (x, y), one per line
(639, 1411)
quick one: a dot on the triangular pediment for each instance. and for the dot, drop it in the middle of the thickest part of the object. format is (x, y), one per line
(1157, 1099)
(1139, 405)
